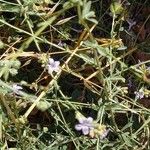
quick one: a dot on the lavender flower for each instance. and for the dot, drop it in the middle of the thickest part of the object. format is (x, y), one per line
(85, 125)
(139, 94)
(16, 88)
(89, 127)
(131, 23)
(53, 66)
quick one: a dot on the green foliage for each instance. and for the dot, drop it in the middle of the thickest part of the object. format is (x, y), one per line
(9, 67)
(87, 14)
(62, 57)
(101, 50)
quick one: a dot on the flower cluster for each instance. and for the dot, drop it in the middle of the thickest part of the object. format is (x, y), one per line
(89, 127)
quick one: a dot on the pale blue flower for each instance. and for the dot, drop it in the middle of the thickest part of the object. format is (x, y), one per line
(16, 88)
(85, 125)
(53, 66)
(139, 94)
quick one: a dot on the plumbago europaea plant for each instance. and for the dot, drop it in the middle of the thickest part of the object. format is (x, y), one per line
(47, 84)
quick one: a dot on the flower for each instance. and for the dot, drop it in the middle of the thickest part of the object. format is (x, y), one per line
(131, 23)
(89, 127)
(16, 88)
(53, 66)
(85, 125)
(139, 94)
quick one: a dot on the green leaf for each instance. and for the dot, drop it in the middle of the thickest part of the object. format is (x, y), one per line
(86, 7)
(93, 20)
(101, 50)
(89, 15)
(9, 67)
(87, 59)
(13, 71)
(9, 8)
(116, 8)
(86, 13)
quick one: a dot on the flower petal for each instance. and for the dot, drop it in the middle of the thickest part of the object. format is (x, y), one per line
(56, 69)
(81, 120)
(89, 119)
(50, 60)
(57, 63)
(50, 69)
(78, 127)
(85, 130)
(17, 87)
